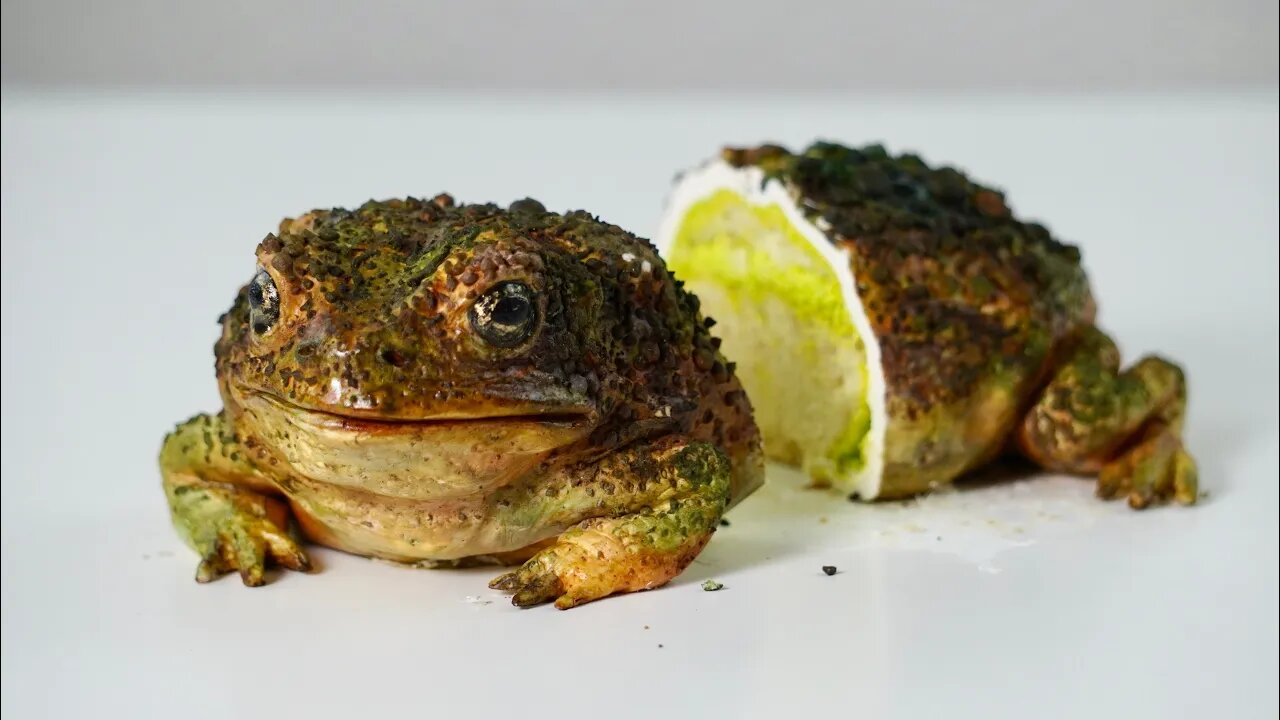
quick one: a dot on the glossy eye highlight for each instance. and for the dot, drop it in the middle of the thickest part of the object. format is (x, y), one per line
(264, 303)
(506, 315)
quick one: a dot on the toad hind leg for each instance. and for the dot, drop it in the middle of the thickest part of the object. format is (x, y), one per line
(673, 515)
(220, 504)
(1124, 426)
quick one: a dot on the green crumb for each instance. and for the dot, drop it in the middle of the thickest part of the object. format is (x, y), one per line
(712, 585)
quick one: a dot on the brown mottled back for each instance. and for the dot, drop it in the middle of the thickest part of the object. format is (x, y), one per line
(968, 303)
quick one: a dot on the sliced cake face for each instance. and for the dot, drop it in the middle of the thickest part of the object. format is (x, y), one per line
(787, 310)
(890, 318)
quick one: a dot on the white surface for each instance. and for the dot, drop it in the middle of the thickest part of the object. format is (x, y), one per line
(128, 224)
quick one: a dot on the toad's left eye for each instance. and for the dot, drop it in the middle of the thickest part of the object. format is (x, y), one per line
(506, 315)
(264, 303)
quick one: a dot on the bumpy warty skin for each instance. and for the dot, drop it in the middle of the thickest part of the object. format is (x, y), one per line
(421, 380)
(373, 324)
(984, 324)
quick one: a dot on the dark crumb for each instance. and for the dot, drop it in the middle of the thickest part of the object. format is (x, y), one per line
(659, 645)
(939, 538)
(1204, 494)
(712, 585)
(724, 522)
(829, 569)
(646, 627)
(853, 497)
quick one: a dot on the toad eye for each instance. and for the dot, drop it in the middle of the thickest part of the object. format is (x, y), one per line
(506, 315)
(264, 303)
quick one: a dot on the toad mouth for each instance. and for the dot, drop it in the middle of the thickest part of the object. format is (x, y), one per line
(336, 419)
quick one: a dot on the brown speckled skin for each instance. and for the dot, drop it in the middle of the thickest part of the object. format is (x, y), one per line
(985, 325)
(392, 428)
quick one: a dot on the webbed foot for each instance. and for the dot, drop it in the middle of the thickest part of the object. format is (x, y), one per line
(218, 503)
(633, 551)
(1124, 426)
(598, 559)
(1155, 470)
(236, 531)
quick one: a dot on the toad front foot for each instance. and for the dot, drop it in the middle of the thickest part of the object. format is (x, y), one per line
(218, 504)
(639, 550)
(600, 558)
(236, 531)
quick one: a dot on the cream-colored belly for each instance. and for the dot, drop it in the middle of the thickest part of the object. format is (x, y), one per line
(404, 529)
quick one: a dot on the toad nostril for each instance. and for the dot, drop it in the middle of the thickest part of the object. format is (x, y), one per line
(391, 356)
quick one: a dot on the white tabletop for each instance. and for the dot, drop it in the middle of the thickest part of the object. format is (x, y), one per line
(129, 221)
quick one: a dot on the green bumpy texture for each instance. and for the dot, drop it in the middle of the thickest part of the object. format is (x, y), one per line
(948, 276)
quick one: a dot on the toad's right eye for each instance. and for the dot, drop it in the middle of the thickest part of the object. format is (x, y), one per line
(264, 303)
(506, 315)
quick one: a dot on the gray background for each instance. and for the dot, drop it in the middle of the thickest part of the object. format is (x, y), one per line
(1053, 45)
